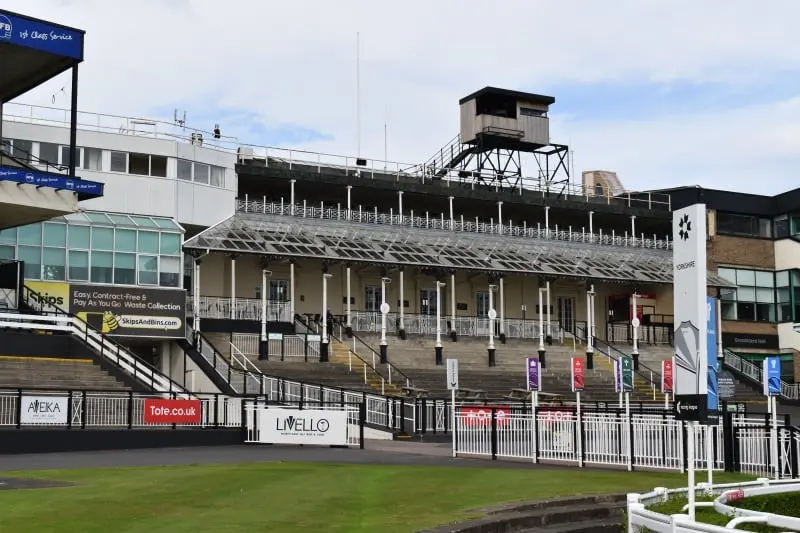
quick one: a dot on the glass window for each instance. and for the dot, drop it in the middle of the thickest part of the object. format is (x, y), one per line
(6, 252)
(93, 159)
(746, 294)
(55, 235)
(744, 225)
(201, 173)
(65, 156)
(102, 271)
(125, 240)
(144, 222)
(100, 218)
(148, 270)
(217, 176)
(8, 235)
(165, 223)
(184, 170)
(148, 242)
(745, 277)
(158, 166)
(765, 279)
(78, 237)
(782, 279)
(122, 220)
(119, 161)
(78, 265)
(125, 269)
(170, 274)
(102, 239)
(764, 227)
(782, 226)
(32, 256)
(30, 234)
(728, 274)
(22, 150)
(765, 295)
(170, 243)
(54, 264)
(48, 153)
(139, 164)
(728, 310)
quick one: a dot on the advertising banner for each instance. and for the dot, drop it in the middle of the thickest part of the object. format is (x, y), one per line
(117, 310)
(172, 411)
(479, 415)
(711, 354)
(772, 376)
(577, 374)
(40, 35)
(303, 426)
(44, 410)
(617, 376)
(45, 179)
(666, 377)
(534, 376)
(627, 373)
(691, 312)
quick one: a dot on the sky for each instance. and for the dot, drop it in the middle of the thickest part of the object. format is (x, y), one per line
(663, 93)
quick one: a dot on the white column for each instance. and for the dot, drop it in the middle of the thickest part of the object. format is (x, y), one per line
(589, 319)
(291, 196)
(384, 280)
(547, 221)
(549, 314)
(453, 301)
(500, 218)
(633, 228)
(325, 277)
(591, 226)
(400, 205)
(233, 287)
(491, 320)
(541, 320)
(263, 304)
(594, 315)
(635, 323)
(720, 354)
(439, 286)
(402, 300)
(291, 291)
(349, 203)
(502, 309)
(452, 221)
(347, 304)
(196, 305)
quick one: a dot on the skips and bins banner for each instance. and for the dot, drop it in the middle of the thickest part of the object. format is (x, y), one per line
(118, 311)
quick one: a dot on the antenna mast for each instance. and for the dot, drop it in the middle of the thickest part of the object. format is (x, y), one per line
(358, 93)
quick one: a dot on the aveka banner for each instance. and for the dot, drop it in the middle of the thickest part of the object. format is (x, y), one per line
(118, 311)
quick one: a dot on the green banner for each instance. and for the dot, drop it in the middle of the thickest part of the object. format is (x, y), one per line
(627, 373)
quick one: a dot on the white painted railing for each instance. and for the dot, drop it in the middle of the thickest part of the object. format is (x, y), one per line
(753, 371)
(245, 309)
(109, 350)
(302, 210)
(287, 346)
(640, 518)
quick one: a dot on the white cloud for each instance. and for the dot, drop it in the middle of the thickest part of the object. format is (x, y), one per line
(294, 63)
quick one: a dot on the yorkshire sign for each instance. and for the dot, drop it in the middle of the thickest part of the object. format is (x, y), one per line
(691, 312)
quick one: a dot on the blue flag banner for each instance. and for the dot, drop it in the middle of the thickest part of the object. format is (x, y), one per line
(711, 354)
(55, 181)
(772, 376)
(41, 35)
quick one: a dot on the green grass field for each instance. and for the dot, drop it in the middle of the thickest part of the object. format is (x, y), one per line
(290, 497)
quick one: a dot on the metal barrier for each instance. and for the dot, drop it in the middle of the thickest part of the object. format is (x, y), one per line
(642, 519)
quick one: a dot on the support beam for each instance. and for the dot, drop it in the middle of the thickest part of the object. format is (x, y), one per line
(348, 307)
(196, 302)
(291, 196)
(492, 317)
(233, 287)
(291, 291)
(438, 347)
(384, 348)
(542, 352)
(263, 345)
(589, 320)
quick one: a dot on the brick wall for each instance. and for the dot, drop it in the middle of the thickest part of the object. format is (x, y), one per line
(752, 328)
(742, 251)
(797, 367)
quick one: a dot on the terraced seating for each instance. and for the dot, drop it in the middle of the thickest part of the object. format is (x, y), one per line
(51, 373)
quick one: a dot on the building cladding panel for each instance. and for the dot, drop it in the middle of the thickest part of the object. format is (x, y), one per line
(724, 250)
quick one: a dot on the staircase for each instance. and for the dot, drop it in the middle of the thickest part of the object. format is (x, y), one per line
(449, 157)
(341, 355)
(35, 373)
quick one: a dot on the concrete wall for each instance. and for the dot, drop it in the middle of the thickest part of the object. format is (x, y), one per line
(180, 367)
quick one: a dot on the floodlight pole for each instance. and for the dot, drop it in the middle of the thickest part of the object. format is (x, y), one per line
(384, 311)
(438, 346)
(323, 346)
(492, 315)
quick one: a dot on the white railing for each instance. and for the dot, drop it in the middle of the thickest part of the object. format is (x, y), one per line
(302, 210)
(640, 518)
(107, 349)
(90, 409)
(243, 309)
(754, 372)
(287, 346)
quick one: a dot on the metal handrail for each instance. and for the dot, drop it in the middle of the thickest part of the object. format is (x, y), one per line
(392, 368)
(739, 364)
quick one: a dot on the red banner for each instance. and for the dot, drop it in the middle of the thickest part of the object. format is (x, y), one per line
(482, 415)
(172, 411)
(666, 377)
(577, 374)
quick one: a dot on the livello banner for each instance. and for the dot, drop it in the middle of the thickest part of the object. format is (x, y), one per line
(118, 311)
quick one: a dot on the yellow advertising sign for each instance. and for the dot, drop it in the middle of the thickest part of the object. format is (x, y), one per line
(52, 296)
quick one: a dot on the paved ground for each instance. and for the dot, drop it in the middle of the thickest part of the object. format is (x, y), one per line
(376, 452)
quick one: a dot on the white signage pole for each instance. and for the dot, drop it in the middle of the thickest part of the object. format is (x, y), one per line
(774, 437)
(690, 369)
(452, 384)
(710, 453)
(630, 426)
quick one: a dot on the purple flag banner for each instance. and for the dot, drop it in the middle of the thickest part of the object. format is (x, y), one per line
(534, 376)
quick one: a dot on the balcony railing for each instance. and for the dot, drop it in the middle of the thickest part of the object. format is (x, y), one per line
(359, 216)
(244, 309)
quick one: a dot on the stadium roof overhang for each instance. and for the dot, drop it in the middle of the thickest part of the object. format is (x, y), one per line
(334, 241)
(33, 51)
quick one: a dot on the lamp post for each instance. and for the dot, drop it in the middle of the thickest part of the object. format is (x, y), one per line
(323, 346)
(384, 312)
(263, 346)
(438, 347)
(635, 327)
(492, 314)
